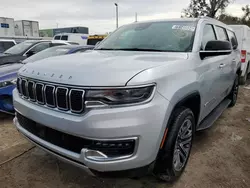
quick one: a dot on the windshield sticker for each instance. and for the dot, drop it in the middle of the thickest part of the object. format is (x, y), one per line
(184, 27)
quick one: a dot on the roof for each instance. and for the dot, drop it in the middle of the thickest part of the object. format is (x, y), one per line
(8, 40)
(169, 19)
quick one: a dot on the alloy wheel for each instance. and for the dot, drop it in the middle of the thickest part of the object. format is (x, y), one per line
(183, 145)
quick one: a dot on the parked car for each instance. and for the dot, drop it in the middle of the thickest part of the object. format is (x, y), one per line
(243, 35)
(5, 44)
(133, 103)
(56, 51)
(9, 72)
(26, 49)
(77, 38)
(8, 76)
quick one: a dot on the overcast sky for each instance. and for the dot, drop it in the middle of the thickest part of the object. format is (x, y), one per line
(98, 15)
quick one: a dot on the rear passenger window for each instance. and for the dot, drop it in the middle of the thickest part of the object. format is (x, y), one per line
(232, 38)
(64, 37)
(57, 37)
(208, 34)
(221, 32)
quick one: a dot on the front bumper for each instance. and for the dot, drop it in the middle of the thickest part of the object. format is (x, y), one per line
(145, 122)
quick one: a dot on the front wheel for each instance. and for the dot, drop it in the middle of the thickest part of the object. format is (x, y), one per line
(173, 156)
(233, 95)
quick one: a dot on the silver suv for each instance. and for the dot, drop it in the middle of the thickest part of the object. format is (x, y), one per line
(133, 104)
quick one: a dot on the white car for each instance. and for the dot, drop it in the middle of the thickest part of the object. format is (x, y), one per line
(243, 36)
(5, 44)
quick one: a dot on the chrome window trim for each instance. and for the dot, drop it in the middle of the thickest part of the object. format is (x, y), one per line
(53, 95)
(67, 101)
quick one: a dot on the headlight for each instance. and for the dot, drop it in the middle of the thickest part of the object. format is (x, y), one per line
(8, 83)
(114, 97)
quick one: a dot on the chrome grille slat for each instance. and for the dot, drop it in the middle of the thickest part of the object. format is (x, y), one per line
(32, 92)
(24, 88)
(39, 93)
(67, 99)
(47, 95)
(73, 107)
(59, 106)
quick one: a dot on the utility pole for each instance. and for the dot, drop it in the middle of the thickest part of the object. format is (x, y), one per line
(136, 17)
(116, 5)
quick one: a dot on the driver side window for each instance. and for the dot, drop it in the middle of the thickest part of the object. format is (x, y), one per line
(208, 35)
(40, 47)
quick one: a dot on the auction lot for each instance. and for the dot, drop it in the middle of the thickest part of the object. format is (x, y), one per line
(220, 158)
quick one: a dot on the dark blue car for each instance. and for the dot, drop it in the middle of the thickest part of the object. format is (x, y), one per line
(8, 73)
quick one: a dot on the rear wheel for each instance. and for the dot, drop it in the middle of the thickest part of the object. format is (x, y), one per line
(234, 92)
(173, 157)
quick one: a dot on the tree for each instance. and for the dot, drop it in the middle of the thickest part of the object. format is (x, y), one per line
(205, 8)
(246, 11)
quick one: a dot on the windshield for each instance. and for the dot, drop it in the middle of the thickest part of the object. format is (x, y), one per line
(172, 36)
(50, 52)
(19, 48)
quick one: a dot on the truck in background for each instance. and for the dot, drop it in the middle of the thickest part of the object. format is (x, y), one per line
(26, 28)
(243, 36)
(78, 38)
(6, 27)
(94, 39)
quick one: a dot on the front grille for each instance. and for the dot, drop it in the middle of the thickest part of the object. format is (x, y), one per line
(51, 95)
(74, 143)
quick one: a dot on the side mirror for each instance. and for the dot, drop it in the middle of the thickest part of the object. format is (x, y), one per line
(30, 53)
(216, 48)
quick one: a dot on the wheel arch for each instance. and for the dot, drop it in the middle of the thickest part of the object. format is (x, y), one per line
(191, 100)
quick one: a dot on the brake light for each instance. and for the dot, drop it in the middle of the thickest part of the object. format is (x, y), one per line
(243, 56)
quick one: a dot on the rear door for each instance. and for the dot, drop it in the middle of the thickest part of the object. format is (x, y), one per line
(226, 66)
(235, 55)
(210, 73)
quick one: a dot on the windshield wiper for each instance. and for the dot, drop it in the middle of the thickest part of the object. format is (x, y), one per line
(137, 49)
(105, 49)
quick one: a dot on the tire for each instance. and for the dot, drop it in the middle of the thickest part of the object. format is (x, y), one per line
(233, 95)
(172, 158)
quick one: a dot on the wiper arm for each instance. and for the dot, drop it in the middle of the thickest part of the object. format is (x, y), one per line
(137, 49)
(105, 49)
(141, 49)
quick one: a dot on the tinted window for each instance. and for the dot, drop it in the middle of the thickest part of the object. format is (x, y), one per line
(20, 48)
(232, 38)
(221, 33)
(40, 47)
(64, 37)
(93, 41)
(208, 35)
(57, 37)
(50, 52)
(5, 45)
(172, 36)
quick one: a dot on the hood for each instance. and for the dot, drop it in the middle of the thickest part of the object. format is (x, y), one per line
(9, 71)
(98, 68)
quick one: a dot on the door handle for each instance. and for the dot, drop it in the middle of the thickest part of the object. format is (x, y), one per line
(234, 60)
(222, 65)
